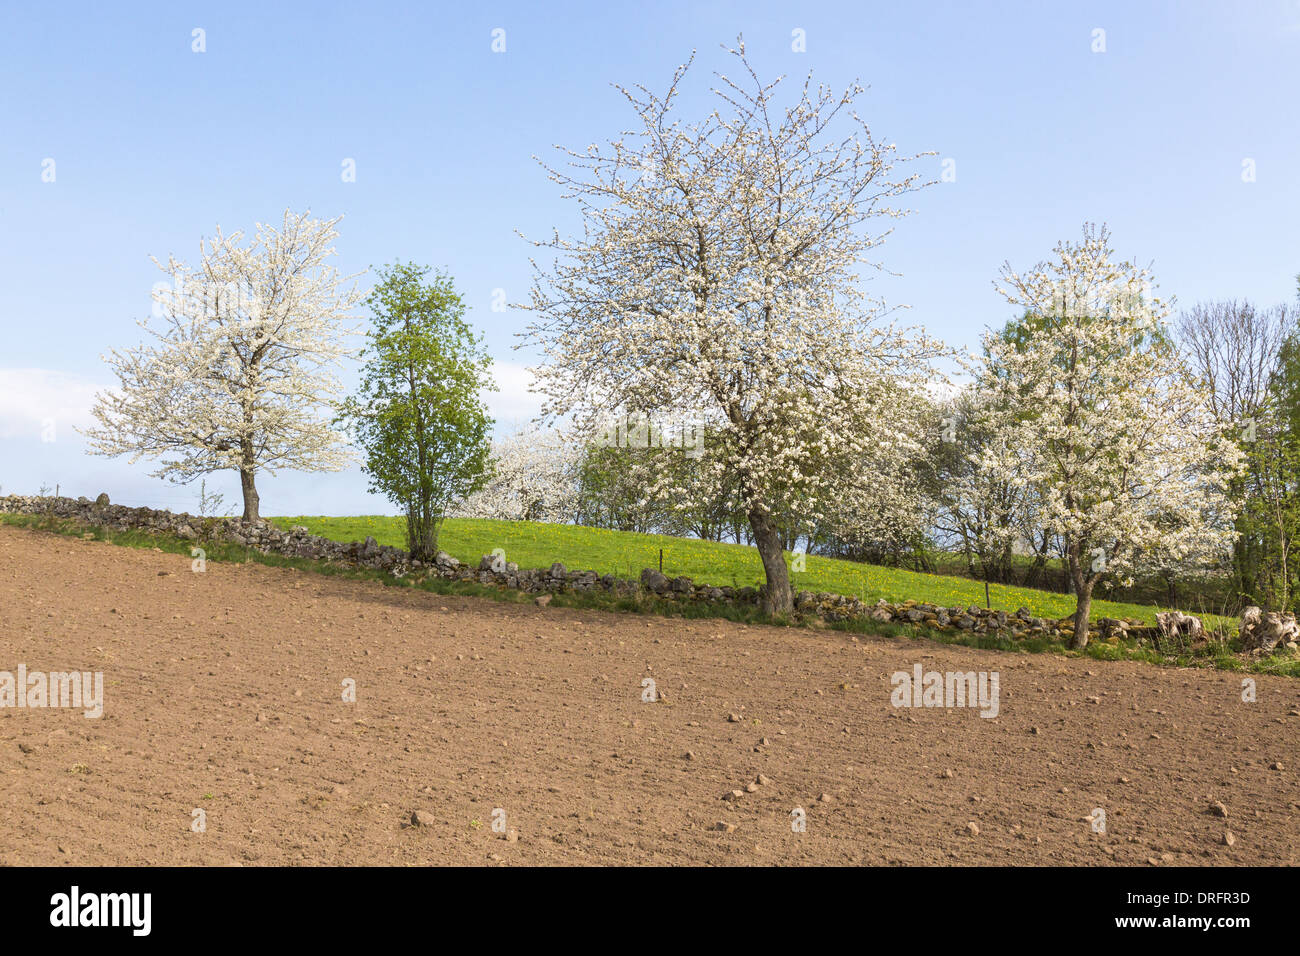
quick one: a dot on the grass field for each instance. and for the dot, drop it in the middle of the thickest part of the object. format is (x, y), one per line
(624, 554)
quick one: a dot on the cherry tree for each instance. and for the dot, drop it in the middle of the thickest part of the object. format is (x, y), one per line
(1097, 416)
(241, 372)
(717, 280)
(533, 477)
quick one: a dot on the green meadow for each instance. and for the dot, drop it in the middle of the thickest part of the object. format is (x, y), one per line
(624, 554)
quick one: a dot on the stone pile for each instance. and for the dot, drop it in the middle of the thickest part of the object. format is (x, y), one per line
(1262, 631)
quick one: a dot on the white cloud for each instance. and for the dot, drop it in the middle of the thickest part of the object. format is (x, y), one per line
(32, 399)
(513, 405)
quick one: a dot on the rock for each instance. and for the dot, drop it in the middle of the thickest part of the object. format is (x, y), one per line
(762, 780)
(751, 788)
(731, 796)
(1177, 626)
(1218, 809)
(1262, 632)
(1228, 839)
(423, 818)
(653, 580)
(733, 718)
(722, 826)
(974, 828)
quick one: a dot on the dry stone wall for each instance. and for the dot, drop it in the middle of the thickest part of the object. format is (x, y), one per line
(494, 570)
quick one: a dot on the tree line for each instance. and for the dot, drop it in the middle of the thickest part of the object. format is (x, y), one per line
(712, 367)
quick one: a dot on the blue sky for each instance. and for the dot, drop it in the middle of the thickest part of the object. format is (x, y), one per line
(154, 145)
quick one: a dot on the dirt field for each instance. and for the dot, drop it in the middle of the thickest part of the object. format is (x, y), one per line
(223, 692)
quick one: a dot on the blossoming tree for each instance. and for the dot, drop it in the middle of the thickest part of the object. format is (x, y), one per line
(1096, 413)
(716, 279)
(241, 374)
(533, 476)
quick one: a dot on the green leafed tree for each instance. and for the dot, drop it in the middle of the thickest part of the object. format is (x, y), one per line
(417, 415)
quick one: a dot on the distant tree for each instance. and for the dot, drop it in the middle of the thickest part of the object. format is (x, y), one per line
(1236, 349)
(1272, 501)
(1104, 421)
(417, 413)
(716, 279)
(242, 374)
(986, 513)
(534, 477)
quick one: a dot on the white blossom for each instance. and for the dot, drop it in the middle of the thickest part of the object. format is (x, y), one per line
(726, 289)
(241, 372)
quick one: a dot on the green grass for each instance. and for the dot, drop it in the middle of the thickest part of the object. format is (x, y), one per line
(1213, 656)
(624, 554)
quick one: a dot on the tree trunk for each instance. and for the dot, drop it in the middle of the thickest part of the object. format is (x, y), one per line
(251, 500)
(1080, 639)
(767, 538)
(422, 533)
(1082, 585)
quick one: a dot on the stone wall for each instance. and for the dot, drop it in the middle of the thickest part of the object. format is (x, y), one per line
(493, 570)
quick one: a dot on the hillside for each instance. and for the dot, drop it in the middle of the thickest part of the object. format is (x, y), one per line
(623, 553)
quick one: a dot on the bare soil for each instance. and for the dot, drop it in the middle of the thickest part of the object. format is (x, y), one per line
(224, 693)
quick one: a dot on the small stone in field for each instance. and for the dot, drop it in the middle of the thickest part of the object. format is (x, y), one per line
(824, 798)
(974, 828)
(733, 718)
(733, 795)
(1228, 838)
(947, 774)
(751, 788)
(762, 780)
(1276, 766)
(423, 818)
(724, 827)
(1218, 809)
(512, 835)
